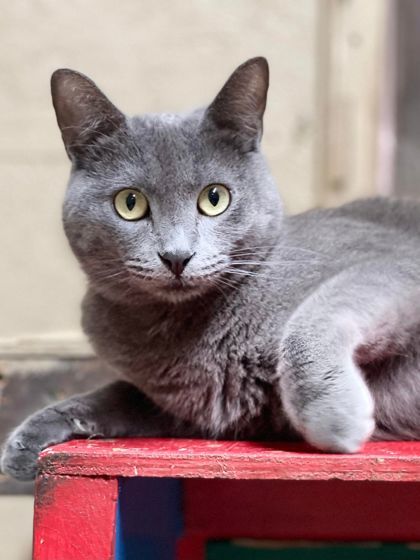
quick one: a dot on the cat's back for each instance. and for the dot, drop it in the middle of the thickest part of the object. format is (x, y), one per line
(367, 227)
(319, 244)
(400, 214)
(370, 213)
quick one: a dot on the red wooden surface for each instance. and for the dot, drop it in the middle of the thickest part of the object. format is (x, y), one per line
(301, 510)
(74, 518)
(390, 461)
(193, 547)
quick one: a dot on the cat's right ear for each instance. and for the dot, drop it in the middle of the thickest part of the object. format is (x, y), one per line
(84, 114)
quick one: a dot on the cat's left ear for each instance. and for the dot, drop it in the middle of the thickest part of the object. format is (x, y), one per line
(239, 107)
(84, 114)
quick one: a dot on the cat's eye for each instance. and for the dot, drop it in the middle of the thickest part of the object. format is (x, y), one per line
(131, 204)
(214, 200)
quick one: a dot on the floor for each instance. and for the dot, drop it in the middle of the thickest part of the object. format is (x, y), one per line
(16, 527)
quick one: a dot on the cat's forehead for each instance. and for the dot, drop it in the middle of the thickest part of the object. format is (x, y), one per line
(160, 120)
(168, 152)
(173, 146)
(170, 130)
(164, 150)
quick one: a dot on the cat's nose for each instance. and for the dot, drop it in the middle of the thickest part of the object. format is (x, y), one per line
(176, 261)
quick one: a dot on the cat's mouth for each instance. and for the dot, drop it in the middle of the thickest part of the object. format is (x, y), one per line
(180, 289)
(174, 287)
(178, 284)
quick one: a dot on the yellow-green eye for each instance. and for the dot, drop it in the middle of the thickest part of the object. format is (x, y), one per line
(131, 204)
(214, 200)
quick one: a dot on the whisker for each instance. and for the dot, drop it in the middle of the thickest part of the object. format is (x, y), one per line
(228, 283)
(112, 276)
(274, 263)
(219, 289)
(240, 271)
(139, 268)
(110, 260)
(254, 248)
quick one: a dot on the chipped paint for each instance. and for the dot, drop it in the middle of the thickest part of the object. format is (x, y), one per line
(398, 461)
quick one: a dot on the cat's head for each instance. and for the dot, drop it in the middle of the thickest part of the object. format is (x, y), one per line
(169, 205)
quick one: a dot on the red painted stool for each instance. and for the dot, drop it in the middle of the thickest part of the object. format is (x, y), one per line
(162, 499)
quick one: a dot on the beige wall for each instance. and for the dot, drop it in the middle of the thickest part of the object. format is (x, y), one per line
(147, 56)
(320, 128)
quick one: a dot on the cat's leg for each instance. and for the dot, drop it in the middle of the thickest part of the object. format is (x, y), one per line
(395, 385)
(115, 410)
(323, 390)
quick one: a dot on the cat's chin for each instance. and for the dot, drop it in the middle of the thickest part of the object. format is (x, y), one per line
(180, 290)
(183, 289)
(163, 290)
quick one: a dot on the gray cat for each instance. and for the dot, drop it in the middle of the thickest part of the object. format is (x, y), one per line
(225, 317)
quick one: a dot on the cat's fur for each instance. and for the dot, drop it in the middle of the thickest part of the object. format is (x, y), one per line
(281, 326)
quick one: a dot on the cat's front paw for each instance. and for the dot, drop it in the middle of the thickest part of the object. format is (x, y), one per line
(19, 458)
(338, 418)
(334, 428)
(21, 450)
(47, 427)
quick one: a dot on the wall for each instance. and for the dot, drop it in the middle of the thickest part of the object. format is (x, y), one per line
(407, 47)
(147, 56)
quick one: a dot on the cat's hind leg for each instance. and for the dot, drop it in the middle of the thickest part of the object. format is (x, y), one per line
(394, 381)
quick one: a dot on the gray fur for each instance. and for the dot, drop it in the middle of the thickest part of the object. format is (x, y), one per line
(281, 326)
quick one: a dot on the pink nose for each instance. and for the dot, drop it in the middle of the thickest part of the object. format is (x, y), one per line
(176, 261)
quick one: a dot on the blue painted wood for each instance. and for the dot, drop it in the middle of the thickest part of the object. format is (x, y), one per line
(149, 519)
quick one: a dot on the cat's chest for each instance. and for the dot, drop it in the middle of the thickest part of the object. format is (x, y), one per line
(212, 370)
(217, 386)
(195, 351)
